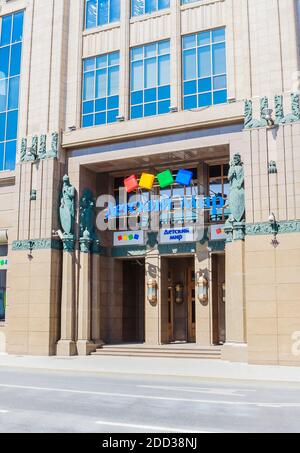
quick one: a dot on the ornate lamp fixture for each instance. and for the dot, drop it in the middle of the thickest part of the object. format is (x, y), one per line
(179, 289)
(274, 226)
(202, 284)
(152, 290)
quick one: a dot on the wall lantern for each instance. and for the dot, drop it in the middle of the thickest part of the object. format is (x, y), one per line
(224, 292)
(202, 288)
(152, 290)
(274, 225)
(179, 293)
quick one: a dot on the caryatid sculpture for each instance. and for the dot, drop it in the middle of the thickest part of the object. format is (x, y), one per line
(67, 207)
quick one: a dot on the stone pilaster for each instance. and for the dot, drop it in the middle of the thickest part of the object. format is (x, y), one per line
(66, 345)
(96, 300)
(235, 348)
(203, 309)
(153, 309)
(84, 342)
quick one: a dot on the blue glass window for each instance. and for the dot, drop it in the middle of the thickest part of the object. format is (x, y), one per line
(150, 80)
(100, 103)
(140, 7)
(101, 12)
(11, 35)
(204, 69)
(185, 2)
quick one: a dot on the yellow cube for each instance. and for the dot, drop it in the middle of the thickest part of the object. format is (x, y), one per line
(147, 181)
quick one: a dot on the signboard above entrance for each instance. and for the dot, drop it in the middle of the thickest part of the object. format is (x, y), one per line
(177, 235)
(217, 233)
(127, 238)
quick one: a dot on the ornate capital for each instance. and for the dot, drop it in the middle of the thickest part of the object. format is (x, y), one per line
(69, 243)
(85, 242)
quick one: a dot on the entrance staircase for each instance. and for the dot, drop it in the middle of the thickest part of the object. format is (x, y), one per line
(176, 350)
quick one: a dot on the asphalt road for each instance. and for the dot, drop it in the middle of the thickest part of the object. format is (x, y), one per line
(33, 401)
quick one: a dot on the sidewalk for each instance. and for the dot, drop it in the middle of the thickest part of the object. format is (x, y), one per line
(197, 368)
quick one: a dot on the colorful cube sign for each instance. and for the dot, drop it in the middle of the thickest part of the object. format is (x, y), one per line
(128, 238)
(131, 184)
(147, 181)
(184, 177)
(165, 179)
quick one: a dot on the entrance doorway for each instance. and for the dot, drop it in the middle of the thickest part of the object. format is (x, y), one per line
(134, 301)
(181, 299)
(218, 298)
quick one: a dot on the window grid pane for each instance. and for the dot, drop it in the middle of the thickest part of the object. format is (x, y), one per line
(100, 92)
(101, 12)
(204, 69)
(150, 80)
(141, 7)
(11, 35)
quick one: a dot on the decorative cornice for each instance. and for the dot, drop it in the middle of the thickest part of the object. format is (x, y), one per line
(37, 244)
(216, 246)
(174, 249)
(118, 252)
(255, 229)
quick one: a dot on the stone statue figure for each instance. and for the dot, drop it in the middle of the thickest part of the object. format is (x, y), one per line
(279, 113)
(35, 145)
(67, 207)
(236, 178)
(248, 114)
(249, 121)
(264, 104)
(87, 214)
(42, 147)
(53, 152)
(23, 149)
(295, 115)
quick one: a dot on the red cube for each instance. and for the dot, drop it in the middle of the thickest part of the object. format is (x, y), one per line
(131, 184)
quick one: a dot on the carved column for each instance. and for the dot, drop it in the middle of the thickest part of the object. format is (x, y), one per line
(96, 314)
(203, 309)
(66, 345)
(84, 342)
(235, 348)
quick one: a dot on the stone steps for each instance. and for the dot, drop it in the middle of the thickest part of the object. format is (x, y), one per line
(167, 352)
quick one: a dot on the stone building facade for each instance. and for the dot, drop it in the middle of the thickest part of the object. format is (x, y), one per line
(210, 86)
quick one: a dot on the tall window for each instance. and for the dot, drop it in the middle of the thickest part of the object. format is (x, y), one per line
(150, 79)
(140, 7)
(204, 69)
(100, 90)
(11, 33)
(219, 187)
(101, 12)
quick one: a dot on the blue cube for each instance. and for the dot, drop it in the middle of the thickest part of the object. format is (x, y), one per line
(184, 177)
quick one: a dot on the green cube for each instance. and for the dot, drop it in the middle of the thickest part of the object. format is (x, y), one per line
(165, 179)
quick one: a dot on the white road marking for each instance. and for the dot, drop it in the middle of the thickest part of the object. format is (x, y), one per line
(150, 397)
(208, 391)
(3, 411)
(150, 427)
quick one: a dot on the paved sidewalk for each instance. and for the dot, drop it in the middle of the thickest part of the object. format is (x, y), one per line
(156, 366)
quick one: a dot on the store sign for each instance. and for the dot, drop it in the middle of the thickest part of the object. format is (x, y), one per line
(125, 238)
(3, 264)
(217, 233)
(177, 235)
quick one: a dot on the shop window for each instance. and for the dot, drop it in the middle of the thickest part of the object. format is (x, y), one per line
(219, 187)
